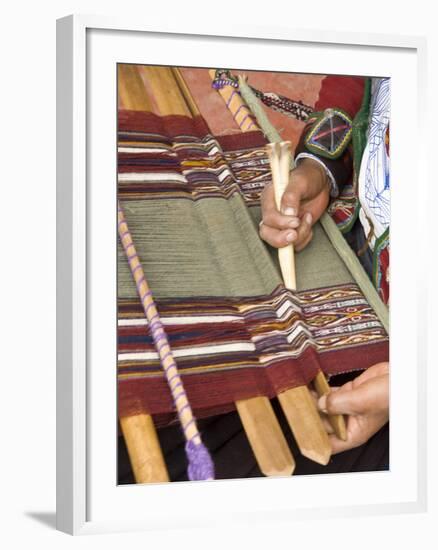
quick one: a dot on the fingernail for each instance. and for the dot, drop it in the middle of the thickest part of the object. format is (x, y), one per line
(294, 223)
(291, 236)
(289, 211)
(308, 218)
(322, 403)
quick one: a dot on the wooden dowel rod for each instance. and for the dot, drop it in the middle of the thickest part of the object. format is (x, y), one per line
(306, 424)
(287, 262)
(279, 158)
(144, 449)
(131, 89)
(161, 84)
(297, 403)
(265, 436)
(337, 421)
(185, 91)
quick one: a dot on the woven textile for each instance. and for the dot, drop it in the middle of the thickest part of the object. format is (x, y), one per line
(192, 204)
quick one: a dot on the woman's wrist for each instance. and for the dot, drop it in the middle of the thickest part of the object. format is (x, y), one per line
(315, 162)
(316, 173)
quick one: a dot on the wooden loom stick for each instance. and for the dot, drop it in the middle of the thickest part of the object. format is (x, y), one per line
(321, 385)
(287, 264)
(172, 96)
(185, 92)
(265, 436)
(337, 421)
(280, 158)
(144, 449)
(297, 403)
(164, 91)
(131, 88)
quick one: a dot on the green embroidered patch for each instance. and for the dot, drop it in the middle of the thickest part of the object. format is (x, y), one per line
(330, 134)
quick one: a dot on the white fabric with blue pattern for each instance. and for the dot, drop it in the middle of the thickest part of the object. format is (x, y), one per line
(374, 189)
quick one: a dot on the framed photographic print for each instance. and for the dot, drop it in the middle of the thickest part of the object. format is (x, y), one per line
(229, 241)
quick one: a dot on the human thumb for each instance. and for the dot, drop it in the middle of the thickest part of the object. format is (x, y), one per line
(296, 190)
(351, 401)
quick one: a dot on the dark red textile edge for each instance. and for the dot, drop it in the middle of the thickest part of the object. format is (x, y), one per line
(171, 126)
(244, 140)
(215, 389)
(221, 389)
(360, 358)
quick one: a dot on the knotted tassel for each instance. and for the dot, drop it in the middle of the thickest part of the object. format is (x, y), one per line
(200, 463)
(201, 466)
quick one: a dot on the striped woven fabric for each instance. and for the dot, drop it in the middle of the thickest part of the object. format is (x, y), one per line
(192, 203)
(177, 157)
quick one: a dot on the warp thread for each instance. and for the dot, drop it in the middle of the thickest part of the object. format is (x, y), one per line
(200, 465)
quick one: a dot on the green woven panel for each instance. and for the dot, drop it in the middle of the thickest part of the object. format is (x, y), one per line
(211, 248)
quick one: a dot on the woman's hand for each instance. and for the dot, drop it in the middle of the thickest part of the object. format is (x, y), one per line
(366, 402)
(303, 203)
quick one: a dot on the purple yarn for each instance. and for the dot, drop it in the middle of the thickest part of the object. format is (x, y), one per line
(220, 83)
(201, 466)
